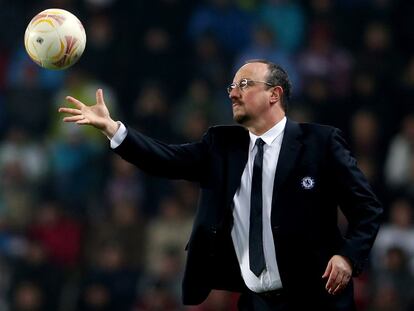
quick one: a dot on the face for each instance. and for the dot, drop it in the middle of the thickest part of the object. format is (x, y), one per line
(252, 102)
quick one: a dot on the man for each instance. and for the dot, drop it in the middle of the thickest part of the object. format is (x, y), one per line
(266, 224)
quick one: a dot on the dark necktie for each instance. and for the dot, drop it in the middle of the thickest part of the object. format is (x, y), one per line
(256, 254)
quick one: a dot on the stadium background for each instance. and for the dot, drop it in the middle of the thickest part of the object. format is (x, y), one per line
(81, 229)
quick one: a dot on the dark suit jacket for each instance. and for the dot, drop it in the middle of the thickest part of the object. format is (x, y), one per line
(304, 214)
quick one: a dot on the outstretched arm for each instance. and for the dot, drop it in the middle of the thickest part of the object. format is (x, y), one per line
(97, 115)
(184, 161)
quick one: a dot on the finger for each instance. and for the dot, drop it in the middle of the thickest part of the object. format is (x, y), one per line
(73, 118)
(70, 111)
(99, 97)
(74, 101)
(83, 122)
(332, 280)
(327, 270)
(340, 286)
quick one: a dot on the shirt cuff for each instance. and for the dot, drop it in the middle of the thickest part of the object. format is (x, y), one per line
(119, 136)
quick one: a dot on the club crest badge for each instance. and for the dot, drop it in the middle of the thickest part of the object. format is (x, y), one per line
(307, 182)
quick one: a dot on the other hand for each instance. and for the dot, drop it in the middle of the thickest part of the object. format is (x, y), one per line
(339, 271)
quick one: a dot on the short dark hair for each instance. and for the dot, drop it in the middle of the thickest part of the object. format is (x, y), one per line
(277, 76)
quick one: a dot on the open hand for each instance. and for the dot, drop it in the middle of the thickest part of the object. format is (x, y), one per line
(96, 115)
(339, 271)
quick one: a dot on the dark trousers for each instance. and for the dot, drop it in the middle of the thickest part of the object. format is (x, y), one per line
(278, 301)
(272, 301)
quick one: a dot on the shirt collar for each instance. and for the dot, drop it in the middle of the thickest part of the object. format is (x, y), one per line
(270, 136)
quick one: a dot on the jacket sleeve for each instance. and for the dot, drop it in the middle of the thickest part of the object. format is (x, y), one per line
(357, 201)
(182, 161)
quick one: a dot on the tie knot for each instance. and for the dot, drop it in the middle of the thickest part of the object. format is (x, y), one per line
(259, 142)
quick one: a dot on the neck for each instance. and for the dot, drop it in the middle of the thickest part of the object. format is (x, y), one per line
(260, 128)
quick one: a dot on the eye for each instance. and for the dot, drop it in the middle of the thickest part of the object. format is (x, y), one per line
(231, 87)
(243, 83)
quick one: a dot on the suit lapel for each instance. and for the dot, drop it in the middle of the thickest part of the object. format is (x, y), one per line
(236, 163)
(289, 152)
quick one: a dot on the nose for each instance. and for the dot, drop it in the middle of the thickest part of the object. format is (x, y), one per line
(234, 93)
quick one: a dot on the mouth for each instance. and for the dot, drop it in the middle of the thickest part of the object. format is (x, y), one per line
(236, 104)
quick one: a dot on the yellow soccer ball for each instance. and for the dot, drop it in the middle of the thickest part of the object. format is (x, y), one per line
(55, 39)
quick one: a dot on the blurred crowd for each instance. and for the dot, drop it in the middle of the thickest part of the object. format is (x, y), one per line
(81, 229)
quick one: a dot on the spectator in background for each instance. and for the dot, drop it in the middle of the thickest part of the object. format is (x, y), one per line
(406, 90)
(187, 194)
(385, 298)
(265, 44)
(70, 157)
(109, 283)
(194, 126)
(378, 48)
(29, 296)
(395, 273)
(24, 74)
(170, 230)
(169, 273)
(286, 20)
(18, 146)
(125, 184)
(58, 234)
(364, 93)
(323, 59)
(230, 25)
(72, 150)
(399, 164)
(317, 101)
(23, 167)
(123, 227)
(158, 48)
(3, 114)
(101, 47)
(151, 111)
(365, 133)
(155, 297)
(197, 100)
(209, 62)
(36, 282)
(397, 232)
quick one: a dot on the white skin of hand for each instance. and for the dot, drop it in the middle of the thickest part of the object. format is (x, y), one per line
(96, 115)
(339, 272)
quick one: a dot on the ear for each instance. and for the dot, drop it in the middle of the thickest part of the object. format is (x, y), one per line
(276, 95)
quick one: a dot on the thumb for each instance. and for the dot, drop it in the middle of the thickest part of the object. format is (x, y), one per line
(99, 97)
(328, 269)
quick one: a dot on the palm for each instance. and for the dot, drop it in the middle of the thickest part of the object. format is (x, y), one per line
(96, 115)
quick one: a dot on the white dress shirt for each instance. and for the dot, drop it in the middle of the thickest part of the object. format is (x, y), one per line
(270, 278)
(119, 136)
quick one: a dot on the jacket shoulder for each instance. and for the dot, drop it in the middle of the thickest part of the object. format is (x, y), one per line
(229, 130)
(317, 129)
(319, 132)
(227, 134)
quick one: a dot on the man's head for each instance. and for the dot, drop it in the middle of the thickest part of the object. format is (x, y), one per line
(259, 93)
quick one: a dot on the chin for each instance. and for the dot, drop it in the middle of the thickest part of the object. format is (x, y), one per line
(240, 118)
